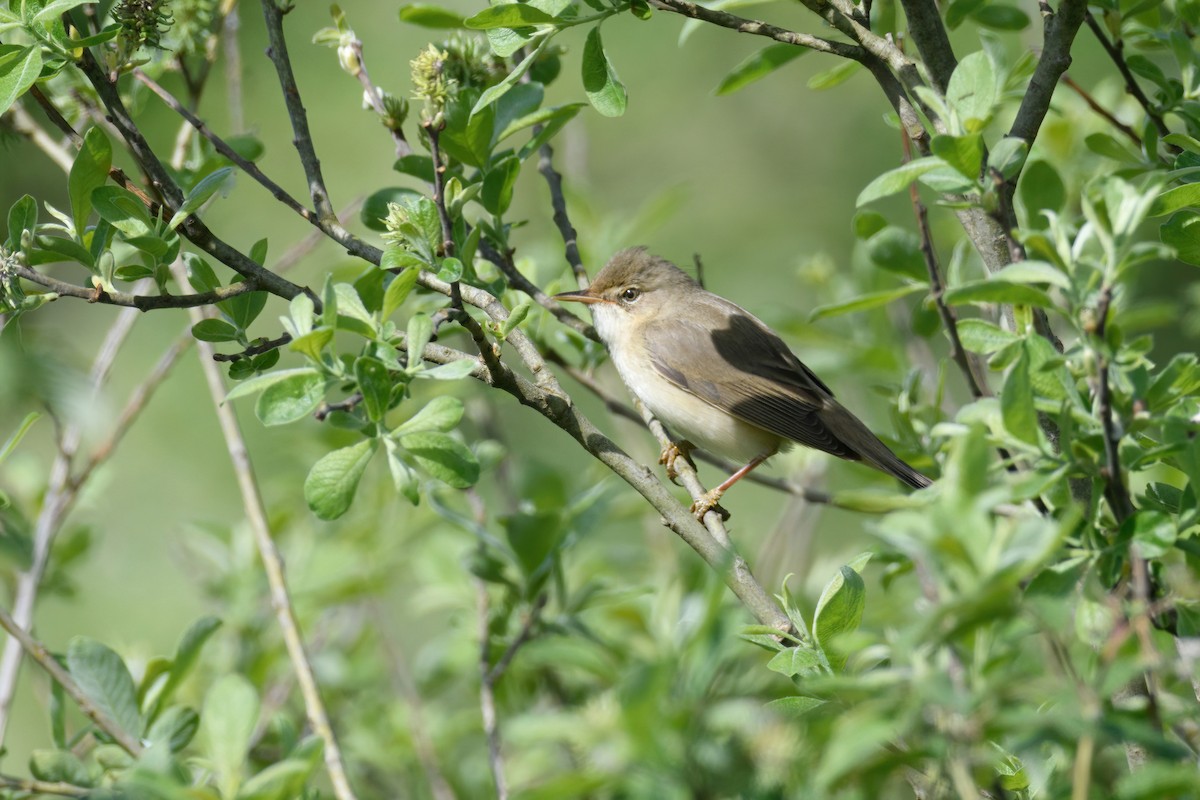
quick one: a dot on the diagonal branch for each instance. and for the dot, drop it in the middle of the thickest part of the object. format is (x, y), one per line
(1114, 51)
(927, 31)
(278, 53)
(559, 203)
(758, 28)
(141, 302)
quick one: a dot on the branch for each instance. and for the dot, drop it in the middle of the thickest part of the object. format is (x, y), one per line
(487, 695)
(561, 219)
(374, 96)
(44, 787)
(523, 636)
(1117, 493)
(559, 410)
(278, 53)
(38, 652)
(281, 602)
(1059, 29)
(256, 348)
(517, 280)
(1115, 52)
(139, 301)
(757, 28)
(926, 29)
(1101, 110)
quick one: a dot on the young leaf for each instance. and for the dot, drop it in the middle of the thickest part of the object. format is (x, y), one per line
(964, 153)
(840, 607)
(795, 661)
(106, 681)
(375, 385)
(214, 330)
(835, 75)
(865, 301)
(404, 478)
(979, 336)
(430, 16)
(972, 93)
(199, 195)
(508, 15)
(89, 172)
(494, 93)
(186, 653)
(331, 483)
(18, 71)
(261, 382)
(282, 780)
(604, 89)
(175, 728)
(443, 457)
(420, 331)
(795, 706)
(21, 217)
(1016, 402)
(758, 66)
(398, 290)
(59, 766)
(990, 290)
(290, 399)
(1172, 200)
(455, 370)
(898, 179)
(228, 719)
(442, 413)
(1182, 232)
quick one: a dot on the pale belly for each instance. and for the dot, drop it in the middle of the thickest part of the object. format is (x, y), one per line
(689, 417)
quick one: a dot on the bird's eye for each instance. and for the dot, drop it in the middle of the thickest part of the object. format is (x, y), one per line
(631, 294)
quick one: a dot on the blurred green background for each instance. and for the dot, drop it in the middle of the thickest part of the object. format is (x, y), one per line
(761, 184)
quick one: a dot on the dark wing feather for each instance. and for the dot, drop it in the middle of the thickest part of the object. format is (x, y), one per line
(752, 373)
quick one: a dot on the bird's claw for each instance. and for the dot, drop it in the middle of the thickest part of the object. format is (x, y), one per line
(672, 452)
(709, 502)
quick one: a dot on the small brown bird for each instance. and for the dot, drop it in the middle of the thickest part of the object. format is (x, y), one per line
(716, 375)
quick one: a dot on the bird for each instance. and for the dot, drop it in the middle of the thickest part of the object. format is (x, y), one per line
(717, 376)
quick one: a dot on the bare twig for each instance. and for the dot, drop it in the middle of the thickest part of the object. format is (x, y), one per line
(928, 32)
(559, 203)
(1101, 110)
(302, 138)
(1115, 52)
(46, 660)
(44, 787)
(285, 614)
(374, 96)
(523, 636)
(256, 348)
(1115, 489)
(757, 28)
(516, 280)
(141, 302)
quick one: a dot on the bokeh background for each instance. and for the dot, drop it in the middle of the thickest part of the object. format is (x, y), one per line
(760, 184)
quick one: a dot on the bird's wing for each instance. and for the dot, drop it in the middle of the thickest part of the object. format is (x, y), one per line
(751, 373)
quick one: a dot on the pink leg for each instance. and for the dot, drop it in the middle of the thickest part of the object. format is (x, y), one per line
(709, 501)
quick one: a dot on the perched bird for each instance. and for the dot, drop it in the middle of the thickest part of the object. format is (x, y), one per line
(716, 375)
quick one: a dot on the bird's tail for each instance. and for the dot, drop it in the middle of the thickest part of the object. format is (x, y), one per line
(866, 445)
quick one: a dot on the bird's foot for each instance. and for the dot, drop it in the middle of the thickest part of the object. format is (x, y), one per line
(672, 452)
(709, 502)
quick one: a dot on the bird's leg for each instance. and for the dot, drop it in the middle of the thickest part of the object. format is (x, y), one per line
(673, 451)
(710, 499)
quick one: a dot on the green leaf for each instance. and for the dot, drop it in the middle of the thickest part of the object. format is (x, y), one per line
(991, 290)
(1034, 272)
(1040, 189)
(199, 195)
(312, 343)
(280, 781)
(290, 399)
(556, 115)
(1016, 402)
(864, 302)
(494, 93)
(214, 330)
(430, 16)
(53, 10)
(22, 216)
(404, 478)
(795, 661)
(227, 722)
(964, 153)
(498, 181)
(88, 173)
(509, 15)
(175, 728)
(972, 93)
(398, 290)
(1153, 533)
(453, 371)
(442, 413)
(106, 681)
(898, 179)
(834, 76)
(533, 537)
(604, 89)
(420, 331)
(375, 208)
(443, 457)
(1182, 232)
(451, 270)
(123, 210)
(983, 337)
(59, 766)
(1107, 146)
(758, 66)
(1001, 17)
(18, 435)
(186, 653)
(839, 609)
(898, 250)
(795, 706)
(1008, 156)
(261, 382)
(375, 385)
(331, 483)
(17, 73)
(1172, 200)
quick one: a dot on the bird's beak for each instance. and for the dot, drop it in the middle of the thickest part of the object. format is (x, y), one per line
(581, 296)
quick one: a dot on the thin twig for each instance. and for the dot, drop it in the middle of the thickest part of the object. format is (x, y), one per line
(374, 96)
(1115, 52)
(260, 526)
(141, 302)
(517, 280)
(44, 787)
(559, 203)
(1101, 110)
(256, 348)
(278, 53)
(46, 660)
(758, 28)
(523, 636)
(1114, 478)
(487, 694)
